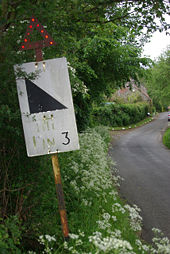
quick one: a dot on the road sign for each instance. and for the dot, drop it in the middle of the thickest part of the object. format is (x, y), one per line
(35, 24)
(46, 108)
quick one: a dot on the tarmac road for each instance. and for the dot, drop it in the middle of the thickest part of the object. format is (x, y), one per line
(144, 163)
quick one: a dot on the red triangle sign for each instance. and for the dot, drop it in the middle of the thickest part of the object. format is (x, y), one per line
(48, 40)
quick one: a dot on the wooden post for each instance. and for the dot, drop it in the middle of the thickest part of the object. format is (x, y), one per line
(60, 196)
(57, 176)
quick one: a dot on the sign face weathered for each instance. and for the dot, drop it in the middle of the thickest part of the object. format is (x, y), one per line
(47, 108)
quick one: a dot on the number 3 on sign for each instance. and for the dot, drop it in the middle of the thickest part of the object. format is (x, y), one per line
(66, 137)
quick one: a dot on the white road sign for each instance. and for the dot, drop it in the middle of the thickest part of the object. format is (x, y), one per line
(46, 108)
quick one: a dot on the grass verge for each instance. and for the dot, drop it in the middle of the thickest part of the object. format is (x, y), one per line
(166, 138)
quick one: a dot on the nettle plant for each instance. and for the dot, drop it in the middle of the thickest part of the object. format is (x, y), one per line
(99, 221)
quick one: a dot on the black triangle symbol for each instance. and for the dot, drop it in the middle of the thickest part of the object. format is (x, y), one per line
(39, 100)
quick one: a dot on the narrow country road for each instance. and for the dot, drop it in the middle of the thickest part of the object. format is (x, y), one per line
(144, 163)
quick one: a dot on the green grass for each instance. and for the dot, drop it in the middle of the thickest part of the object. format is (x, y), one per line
(166, 138)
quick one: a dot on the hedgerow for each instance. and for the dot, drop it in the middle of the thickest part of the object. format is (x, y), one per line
(119, 114)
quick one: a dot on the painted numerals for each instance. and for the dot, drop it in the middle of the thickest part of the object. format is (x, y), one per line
(66, 137)
(48, 143)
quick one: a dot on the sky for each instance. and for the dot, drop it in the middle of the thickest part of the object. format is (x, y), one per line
(158, 43)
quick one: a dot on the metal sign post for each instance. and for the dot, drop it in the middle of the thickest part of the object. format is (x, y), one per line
(47, 109)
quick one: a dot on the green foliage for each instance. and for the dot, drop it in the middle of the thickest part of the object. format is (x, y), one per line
(158, 81)
(107, 63)
(10, 236)
(157, 104)
(99, 222)
(78, 32)
(99, 39)
(166, 138)
(120, 114)
(92, 202)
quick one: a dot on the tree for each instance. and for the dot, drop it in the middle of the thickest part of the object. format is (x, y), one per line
(158, 82)
(134, 14)
(101, 42)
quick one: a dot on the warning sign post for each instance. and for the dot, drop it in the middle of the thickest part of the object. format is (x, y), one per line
(47, 109)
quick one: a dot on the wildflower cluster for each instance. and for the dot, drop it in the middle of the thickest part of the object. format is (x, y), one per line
(135, 218)
(110, 243)
(47, 241)
(76, 240)
(90, 171)
(91, 181)
(161, 243)
(98, 221)
(78, 85)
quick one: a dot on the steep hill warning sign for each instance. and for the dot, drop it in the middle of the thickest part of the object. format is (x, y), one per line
(47, 108)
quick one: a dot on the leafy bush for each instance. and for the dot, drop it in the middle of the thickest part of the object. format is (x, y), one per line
(157, 105)
(10, 236)
(119, 114)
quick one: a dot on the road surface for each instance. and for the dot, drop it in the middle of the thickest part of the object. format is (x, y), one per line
(144, 163)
